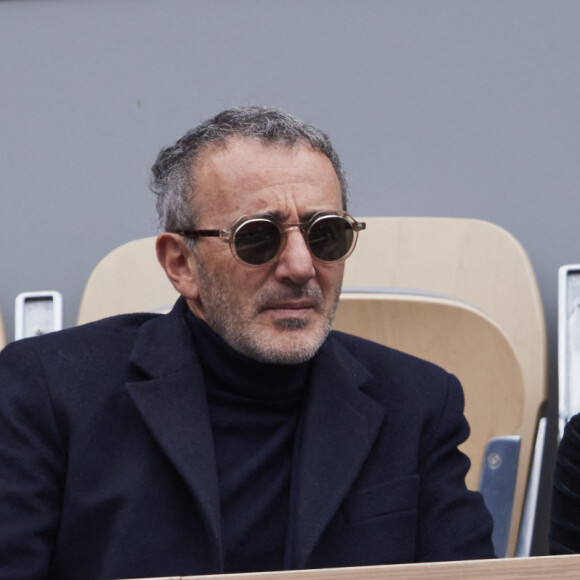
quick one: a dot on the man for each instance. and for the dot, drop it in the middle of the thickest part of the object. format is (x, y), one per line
(564, 532)
(236, 433)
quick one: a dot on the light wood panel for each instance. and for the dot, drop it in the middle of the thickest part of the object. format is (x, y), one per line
(540, 568)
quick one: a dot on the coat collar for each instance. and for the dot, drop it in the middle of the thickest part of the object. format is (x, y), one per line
(340, 425)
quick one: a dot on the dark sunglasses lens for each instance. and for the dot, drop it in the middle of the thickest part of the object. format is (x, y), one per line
(330, 238)
(257, 241)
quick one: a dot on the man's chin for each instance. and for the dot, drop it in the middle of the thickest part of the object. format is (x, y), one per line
(290, 342)
(286, 356)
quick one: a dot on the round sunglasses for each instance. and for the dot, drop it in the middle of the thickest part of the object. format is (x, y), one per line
(256, 240)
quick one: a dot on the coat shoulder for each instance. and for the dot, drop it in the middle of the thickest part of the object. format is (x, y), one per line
(400, 380)
(380, 359)
(94, 354)
(114, 331)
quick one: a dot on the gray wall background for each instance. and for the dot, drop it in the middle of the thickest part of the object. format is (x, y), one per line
(458, 108)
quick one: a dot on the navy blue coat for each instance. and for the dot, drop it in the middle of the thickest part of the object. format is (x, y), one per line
(107, 467)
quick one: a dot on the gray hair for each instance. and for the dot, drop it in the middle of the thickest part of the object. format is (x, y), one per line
(172, 175)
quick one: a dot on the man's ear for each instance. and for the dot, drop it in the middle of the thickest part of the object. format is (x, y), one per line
(179, 264)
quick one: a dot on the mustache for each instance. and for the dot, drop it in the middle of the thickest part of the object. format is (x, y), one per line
(269, 299)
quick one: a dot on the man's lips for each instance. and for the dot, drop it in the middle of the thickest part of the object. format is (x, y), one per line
(291, 306)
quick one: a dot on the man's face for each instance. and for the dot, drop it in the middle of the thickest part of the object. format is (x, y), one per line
(280, 312)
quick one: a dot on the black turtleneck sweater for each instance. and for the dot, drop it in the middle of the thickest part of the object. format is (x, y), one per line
(254, 409)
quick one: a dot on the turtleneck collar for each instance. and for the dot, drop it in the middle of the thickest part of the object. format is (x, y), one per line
(242, 375)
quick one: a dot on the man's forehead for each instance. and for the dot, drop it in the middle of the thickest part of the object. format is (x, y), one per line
(251, 163)
(245, 176)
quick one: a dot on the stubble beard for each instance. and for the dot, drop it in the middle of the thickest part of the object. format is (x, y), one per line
(235, 323)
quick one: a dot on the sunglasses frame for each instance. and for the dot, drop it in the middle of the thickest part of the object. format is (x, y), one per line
(304, 227)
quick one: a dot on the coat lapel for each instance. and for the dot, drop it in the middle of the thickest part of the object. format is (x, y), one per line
(340, 426)
(171, 399)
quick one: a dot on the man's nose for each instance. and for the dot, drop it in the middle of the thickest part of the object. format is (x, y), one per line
(295, 261)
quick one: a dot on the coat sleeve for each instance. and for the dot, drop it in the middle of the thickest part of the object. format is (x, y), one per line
(565, 511)
(454, 523)
(32, 461)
